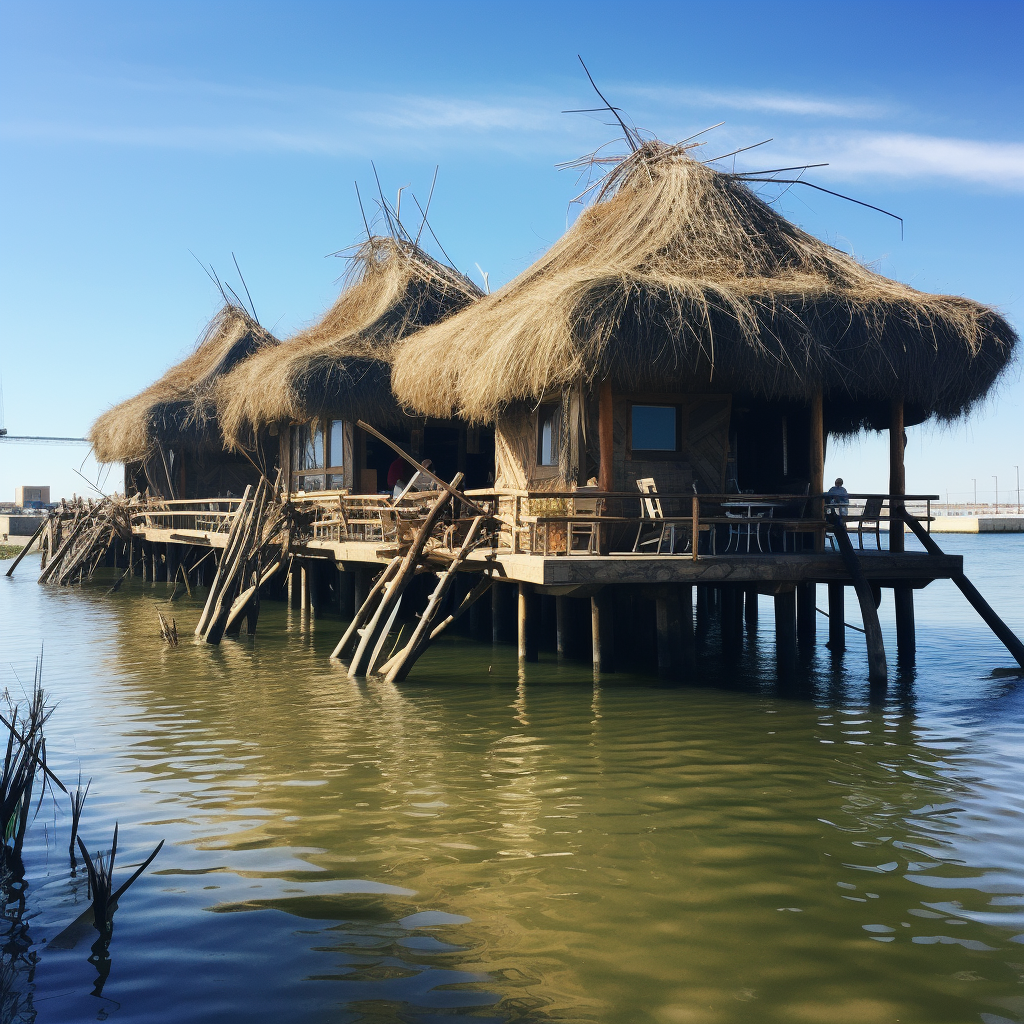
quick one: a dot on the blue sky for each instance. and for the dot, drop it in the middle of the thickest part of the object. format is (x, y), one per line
(133, 133)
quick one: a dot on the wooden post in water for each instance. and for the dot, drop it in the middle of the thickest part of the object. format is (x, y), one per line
(817, 483)
(671, 631)
(785, 630)
(602, 631)
(836, 617)
(806, 626)
(562, 625)
(173, 560)
(750, 608)
(347, 593)
(527, 623)
(903, 596)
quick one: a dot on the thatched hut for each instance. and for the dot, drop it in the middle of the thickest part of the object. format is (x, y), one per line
(716, 338)
(311, 389)
(167, 436)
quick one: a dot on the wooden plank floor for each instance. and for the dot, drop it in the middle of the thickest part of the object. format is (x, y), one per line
(882, 567)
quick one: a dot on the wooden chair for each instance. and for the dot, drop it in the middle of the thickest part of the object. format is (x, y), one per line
(590, 532)
(872, 514)
(650, 513)
(791, 510)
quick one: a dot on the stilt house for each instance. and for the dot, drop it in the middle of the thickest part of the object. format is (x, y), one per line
(684, 330)
(312, 389)
(168, 437)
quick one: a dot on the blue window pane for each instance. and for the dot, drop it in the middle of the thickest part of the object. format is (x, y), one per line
(654, 428)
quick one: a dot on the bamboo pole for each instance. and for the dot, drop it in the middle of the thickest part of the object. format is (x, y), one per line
(24, 550)
(968, 589)
(363, 611)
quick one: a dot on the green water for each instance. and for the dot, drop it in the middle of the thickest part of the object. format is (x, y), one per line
(484, 844)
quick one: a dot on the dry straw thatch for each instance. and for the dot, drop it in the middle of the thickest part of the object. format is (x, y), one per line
(178, 410)
(680, 278)
(340, 366)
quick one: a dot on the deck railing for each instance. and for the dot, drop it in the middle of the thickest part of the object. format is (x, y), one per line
(210, 516)
(581, 522)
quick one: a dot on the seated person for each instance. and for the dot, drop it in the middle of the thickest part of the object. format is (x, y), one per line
(839, 498)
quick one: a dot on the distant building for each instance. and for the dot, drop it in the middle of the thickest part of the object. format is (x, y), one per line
(31, 497)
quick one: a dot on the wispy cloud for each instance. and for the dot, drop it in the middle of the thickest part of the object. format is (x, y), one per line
(753, 101)
(907, 156)
(228, 118)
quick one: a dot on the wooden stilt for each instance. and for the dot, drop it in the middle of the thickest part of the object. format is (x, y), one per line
(561, 626)
(806, 610)
(397, 667)
(346, 594)
(878, 671)
(906, 639)
(495, 613)
(750, 608)
(671, 632)
(527, 619)
(785, 630)
(817, 464)
(836, 617)
(602, 631)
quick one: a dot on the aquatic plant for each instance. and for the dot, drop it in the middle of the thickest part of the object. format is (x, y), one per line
(100, 867)
(25, 756)
(77, 804)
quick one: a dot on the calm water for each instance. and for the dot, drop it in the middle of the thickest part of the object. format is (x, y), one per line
(476, 845)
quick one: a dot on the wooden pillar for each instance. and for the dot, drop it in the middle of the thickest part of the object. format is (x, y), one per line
(702, 606)
(897, 473)
(347, 594)
(836, 617)
(730, 618)
(562, 612)
(817, 463)
(295, 586)
(310, 596)
(602, 631)
(903, 596)
(806, 599)
(605, 435)
(750, 608)
(528, 623)
(361, 585)
(785, 630)
(686, 621)
(669, 615)
(173, 561)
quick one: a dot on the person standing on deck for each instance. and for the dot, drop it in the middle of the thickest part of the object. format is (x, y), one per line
(839, 497)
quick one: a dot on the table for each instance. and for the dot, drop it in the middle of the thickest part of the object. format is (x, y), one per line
(739, 503)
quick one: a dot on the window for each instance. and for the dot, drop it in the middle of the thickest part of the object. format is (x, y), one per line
(336, 455)
(655, 428)
(308, 454)
(549, 429)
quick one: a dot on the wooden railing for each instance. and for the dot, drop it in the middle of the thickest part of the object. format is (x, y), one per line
(210, 516)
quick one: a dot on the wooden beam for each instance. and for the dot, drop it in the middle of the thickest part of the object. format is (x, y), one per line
(897, 471)
(836, 617)
(817, 482)
(605, 435)
(968, 589)
(878, 671)
(785, 630)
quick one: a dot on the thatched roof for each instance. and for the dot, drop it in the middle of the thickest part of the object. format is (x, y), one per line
(178, 410)
(680, 278)
(340, 366)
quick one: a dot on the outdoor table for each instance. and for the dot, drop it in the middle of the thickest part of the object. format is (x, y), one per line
(767, 506)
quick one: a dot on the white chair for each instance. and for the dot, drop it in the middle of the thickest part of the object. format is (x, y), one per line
(650, 514)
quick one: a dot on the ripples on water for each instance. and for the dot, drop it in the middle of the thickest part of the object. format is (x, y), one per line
(478, 845)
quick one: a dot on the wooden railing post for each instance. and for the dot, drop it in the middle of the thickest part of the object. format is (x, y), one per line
(817, 464)
(696, 525)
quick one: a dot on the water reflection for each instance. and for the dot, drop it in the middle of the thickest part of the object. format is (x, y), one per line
(525, 844)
